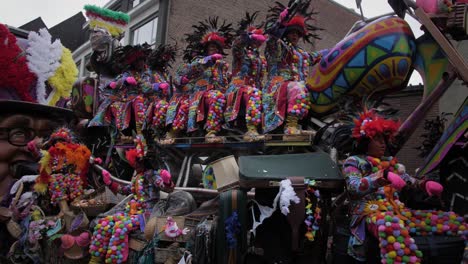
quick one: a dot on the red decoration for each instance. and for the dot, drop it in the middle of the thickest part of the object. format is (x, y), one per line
(14, 72)
(370, 124)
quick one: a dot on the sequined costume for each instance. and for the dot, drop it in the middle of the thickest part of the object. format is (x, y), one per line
(110, 237)
(157, 109)
(376, 208)
(285, 92)
(244, 93)
(285, 96)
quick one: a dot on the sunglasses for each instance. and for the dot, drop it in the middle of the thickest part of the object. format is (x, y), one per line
(20, 136)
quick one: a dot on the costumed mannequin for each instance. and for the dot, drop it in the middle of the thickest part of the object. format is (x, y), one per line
(63, 169)
(159, 61)
(285, 96)
(205, 77)
(110, 237)
(106, 29)
(248, 70)
(373, 182)
(127, 95)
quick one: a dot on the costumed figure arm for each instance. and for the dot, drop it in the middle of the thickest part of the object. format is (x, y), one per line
(359, 185)
(124, 189)
(430, 187)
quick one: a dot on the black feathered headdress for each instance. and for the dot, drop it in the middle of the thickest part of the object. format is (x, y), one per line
(126, 56)
(299, 17)
(162, 57)
(206, 32)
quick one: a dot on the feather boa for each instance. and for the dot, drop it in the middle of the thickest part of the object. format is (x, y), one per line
(287, 194)
(43, 59)
(63, 79)
(14, 71)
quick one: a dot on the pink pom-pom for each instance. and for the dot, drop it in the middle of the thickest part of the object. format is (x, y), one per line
(131, 81)
(397, 182)
(258, 37)
(113, 85)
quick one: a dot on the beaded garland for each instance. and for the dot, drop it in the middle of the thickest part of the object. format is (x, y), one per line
(215, 110)
(139, 110)
(253, 114)
(180, 121)
(159, 114)
(110, 237)
(313, 216)
(389, 163)
(299, 69)
(300, 105)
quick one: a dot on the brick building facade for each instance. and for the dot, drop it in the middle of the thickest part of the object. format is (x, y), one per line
(406, 101)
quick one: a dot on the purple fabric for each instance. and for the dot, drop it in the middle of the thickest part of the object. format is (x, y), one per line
(9, 94)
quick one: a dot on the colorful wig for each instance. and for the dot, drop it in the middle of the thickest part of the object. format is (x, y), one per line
(369, 124)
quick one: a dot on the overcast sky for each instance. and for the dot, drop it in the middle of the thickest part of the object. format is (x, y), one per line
(19, 12)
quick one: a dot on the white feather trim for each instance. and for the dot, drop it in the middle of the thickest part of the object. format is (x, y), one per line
(25, 178)
(287, 195)
(43, 59)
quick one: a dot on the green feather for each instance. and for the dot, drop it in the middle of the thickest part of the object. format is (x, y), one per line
(116, 15)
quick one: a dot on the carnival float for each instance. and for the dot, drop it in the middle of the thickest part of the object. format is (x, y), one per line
(284, 156)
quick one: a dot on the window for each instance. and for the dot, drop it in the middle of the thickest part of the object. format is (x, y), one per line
(136, 2)
(87, 58)
(145, 33)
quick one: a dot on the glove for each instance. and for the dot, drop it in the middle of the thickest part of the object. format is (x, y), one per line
(258, 37)
(112, 85)
(184, 80)
(396, 181)
(434, 188)
(283, 14)
(216, 57)
(106, 177)
(131, 81)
